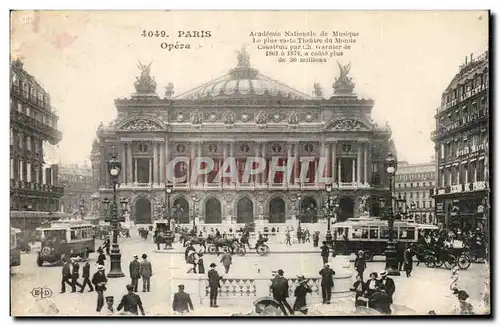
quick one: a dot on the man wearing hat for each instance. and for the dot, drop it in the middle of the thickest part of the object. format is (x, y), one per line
(86, 277)
(326, 283)
(99, 280)
(387, 284)
(66, 275)
(464, 307)
(214, 284)
(360, 263)
(280, 292)
(145, 271)
(75, 274)
(134, 269)
(182, 301)
(130, 302)
(325, 252)
(108, 310)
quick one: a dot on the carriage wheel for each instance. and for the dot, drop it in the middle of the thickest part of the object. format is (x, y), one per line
(241, 251)
(212, 249)
(450, 262)
(263, 250)
(463, 262)
(430, 261)
(368, 256)
(438, 262)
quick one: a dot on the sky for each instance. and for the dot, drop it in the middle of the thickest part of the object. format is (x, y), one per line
(402, 60)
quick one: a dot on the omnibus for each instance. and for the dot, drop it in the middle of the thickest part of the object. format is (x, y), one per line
(371, 235)
(15, 252)
(66, 239)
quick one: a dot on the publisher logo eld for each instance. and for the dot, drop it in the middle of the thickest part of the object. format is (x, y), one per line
(41, 293)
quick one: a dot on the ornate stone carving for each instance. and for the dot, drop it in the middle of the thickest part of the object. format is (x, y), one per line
(348, 125)
(261, 118)
(245, 148)
(318, 91)
(159, 206)
(212, 117)
(169, 90)
(364, 209)
(180, 148)
(142, 125)
(293, 119)
(309, 147)
(180, 117)
(309, 117)
(276, 117)
(196, 118)
(343, 84)
(245, 117)
(277, 148)
(145, 84)
(229, 118)
(212, 148)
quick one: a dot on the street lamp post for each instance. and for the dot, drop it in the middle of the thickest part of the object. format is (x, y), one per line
(114, 169)
(391, 262)
(331, 206)
(169, 237)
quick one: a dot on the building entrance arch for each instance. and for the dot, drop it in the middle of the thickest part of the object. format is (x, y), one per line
(346, 209)
(213, 211)
(143, 211)
(245, 210)
(277, 210)
(308, 210)
(180, 210)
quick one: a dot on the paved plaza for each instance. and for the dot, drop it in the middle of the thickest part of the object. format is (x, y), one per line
(427, 289)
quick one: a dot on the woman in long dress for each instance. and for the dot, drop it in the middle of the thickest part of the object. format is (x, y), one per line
(301, 292)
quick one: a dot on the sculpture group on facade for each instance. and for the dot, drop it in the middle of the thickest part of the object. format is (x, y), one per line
(348, 125)
(142, 125)
(343, 83)
(364, 209)
(145, 84)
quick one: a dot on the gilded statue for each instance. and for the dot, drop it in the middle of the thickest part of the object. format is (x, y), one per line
(243, 57)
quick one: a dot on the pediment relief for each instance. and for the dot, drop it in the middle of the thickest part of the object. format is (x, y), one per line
(347, 124)
(142, 124)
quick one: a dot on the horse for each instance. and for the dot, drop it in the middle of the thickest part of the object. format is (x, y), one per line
(221, 242)
(143, 233)
(195, 240)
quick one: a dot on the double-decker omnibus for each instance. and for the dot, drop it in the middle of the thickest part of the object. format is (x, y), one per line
(15, 252)
(371, 235)
(66, 239)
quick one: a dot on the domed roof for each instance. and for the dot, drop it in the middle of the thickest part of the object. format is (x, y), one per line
(243, 81)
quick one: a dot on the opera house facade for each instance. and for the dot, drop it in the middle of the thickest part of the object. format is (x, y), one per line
(239, 116)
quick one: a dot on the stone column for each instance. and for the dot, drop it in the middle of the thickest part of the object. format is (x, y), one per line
(123, 155)
(358, 170)
(231, 154)
(167, 158)
(199, 180)
(224, 158)
(263, 177)
(155, 163)
(327, 159)
(365, 165)
(161, 169)
(353, 170)
(102, 170)
(296, 167)
(135, 170)
(191, 162)
(130, 173)
(466, 174)
(150, 171)
(333, 163)
(340, 171)
(288, 157)
(257, 154)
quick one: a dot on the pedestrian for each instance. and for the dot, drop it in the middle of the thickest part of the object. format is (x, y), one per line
(387, 284)
(99, 280)
(226, 260)
(86, 277)
(107, 245)
(134, 270)
(315, 239)
(370, 285)
(326, 283)
(189, 250)
(66, 275)
(325, 252)
(360, 263)
(464, 307)
(288, 241)
(359, 288)
(300, 293)
(130, 302)
(182, 301)
(380, 300)
(400, 255)
(201, 265)
(408, 254)
(214, 285)
(75, 274)
(279, 288)
(101, 258)
(108, 309)
(146, 271)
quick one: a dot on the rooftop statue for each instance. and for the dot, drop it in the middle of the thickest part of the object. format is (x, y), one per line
(243, 57)
(145, 83)
(343, 84)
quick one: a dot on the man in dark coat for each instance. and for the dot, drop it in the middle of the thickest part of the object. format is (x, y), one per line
(400, 254)
(214, 285)
(300, 293)
(75, 274)
(360, 263)
(107, 245)
(380, 300)
(325, 252)
(326, 283)
(182, 301)
(408, 261)
(99, 280)
(146, 271)
(66, 276)
(134, 269)
(86, 277)
(101, 258)
(280, 292)
(130, 302)
(387, 284)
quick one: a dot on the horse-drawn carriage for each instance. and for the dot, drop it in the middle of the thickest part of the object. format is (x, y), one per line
(164, 232)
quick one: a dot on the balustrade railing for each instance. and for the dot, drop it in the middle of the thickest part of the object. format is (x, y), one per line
(34, 186)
